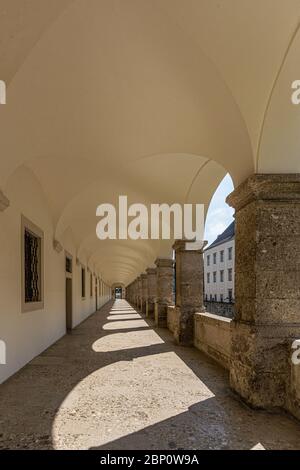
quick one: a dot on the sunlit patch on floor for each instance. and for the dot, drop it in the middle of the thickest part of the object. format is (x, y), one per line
(124, 325)
(128, 340)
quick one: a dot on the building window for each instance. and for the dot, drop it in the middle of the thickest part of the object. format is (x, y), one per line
(206, 297)
(32, 266)
(83, 283)
(91, 285)
(229, 295)
(215, 258)
(211, 297)
(215, 276)
(208, 278)
(215, 299)
(230, 274)
(221, 298)
(68, 265)
(222, 276)
(208, 260)
(230, 253)
(222, 256)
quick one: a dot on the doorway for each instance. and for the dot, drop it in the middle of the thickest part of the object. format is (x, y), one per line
(69, 293)
(118, 292)
(69, 304)
(96, 294)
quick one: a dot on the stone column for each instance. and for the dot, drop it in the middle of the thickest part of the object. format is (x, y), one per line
(267, 294)
(144, 289)
(189, 288)
(152, 292)
(135, 293)
(164, 280)
(139, 293)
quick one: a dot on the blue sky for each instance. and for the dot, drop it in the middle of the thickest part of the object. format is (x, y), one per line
(219, 215)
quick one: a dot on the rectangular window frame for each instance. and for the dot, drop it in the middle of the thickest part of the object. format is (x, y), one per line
(27, 225)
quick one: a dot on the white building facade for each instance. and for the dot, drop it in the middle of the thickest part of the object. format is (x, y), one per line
(219, 268)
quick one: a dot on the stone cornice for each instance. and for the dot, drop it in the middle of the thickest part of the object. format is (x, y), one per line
(164, 263)
(189, 245)
(266, 187)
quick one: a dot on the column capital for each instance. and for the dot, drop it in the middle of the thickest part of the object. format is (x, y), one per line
(267, 187)
(164, 263)
(189, 245)
(4, 202)
(143, 276)
(151, 271)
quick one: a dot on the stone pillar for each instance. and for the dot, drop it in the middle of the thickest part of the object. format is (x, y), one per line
(152, 292)
(134, 293)
(144, 289)
(189, 288)
(139, 293)
(267, 270)
(164, 280)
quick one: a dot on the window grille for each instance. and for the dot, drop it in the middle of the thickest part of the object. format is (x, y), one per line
(32, 267)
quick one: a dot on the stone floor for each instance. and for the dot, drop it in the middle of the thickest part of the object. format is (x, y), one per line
(118, 383)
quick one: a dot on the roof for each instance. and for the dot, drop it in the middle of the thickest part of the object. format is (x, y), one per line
(226, 236)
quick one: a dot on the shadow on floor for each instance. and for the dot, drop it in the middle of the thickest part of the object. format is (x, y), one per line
(31, 400)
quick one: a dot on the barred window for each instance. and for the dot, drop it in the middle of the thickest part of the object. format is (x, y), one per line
(32, 266)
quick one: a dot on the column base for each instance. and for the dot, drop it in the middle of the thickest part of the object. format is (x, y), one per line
(184, 333)
(260, 363)
(161, 315)
(150, 306)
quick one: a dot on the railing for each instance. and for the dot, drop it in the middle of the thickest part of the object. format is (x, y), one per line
(224, 309)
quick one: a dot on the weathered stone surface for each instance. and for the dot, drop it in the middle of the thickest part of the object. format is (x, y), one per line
(267, 294)
(189, 289)
(164, 282)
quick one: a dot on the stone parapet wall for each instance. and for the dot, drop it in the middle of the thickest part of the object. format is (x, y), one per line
(212, 335)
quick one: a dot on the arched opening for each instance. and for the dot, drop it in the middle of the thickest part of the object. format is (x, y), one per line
(219, 254)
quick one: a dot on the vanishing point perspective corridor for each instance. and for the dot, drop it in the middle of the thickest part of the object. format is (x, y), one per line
(118, 382)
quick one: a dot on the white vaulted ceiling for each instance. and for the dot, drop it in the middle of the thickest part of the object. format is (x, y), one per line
(156, 99)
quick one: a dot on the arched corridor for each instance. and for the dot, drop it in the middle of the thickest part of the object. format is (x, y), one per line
(119, 383)
(114, 104)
